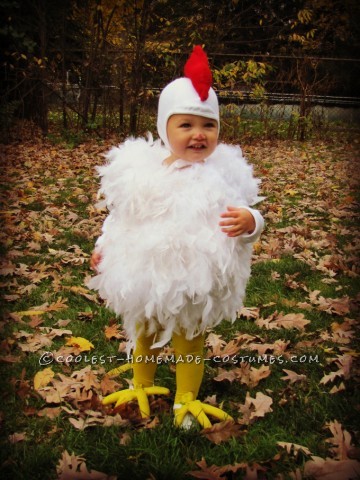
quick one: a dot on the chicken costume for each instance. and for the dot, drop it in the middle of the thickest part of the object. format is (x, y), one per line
(166, 267)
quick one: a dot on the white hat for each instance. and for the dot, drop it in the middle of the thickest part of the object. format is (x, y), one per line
(192, 95)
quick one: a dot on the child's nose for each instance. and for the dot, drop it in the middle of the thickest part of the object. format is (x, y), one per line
(199, 134)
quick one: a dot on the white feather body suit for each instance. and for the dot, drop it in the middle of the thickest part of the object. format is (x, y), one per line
(166, 265)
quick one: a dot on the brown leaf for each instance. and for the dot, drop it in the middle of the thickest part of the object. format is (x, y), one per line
(341, 440)
(329, 469)
(277, 321)
(49, 412)
(278, 347)
(343, 363)
(248, 312)
(9, 359)
(113, 331)
(72, 467)
(222, 431)
(293, 377)
(258, 374)
(214, 472)
(293, 448)
(125, 438)
(229, 375)
(17, 437)
(82, 423)
(338, 389)
(253, 470)
(108, 385)
(35, 322)
(336, 306)
(152, 423)
(255, 408)
(215, 342)
(90, 380)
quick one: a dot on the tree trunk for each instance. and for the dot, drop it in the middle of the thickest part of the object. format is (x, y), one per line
(141, 27)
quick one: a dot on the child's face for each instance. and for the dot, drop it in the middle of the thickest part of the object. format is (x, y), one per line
(191, 137)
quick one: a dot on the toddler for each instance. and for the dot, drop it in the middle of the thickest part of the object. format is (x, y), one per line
(174, 256)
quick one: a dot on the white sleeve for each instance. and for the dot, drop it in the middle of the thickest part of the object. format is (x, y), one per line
(259, 226)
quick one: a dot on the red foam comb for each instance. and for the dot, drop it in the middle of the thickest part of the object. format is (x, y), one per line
(197, 69)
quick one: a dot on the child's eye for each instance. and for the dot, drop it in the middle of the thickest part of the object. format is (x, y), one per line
(185, 125)
(210, 125)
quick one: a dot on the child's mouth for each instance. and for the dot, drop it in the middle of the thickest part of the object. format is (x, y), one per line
(197, 147)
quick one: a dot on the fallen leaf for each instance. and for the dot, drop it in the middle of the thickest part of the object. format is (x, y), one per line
(17, 437)
(113, 331)
(9, 359)
(277, 321)
(48, 412)
(222, 431)
(293, 448)
(254, 408)
(248, 312)
(293, 377)
(329, 469)
(80, 343)
(338, 389)
(43, 378)
(72, 467)
(214, 472)
(343, 363)
(215, 342)
(125, 438)
(340, 441)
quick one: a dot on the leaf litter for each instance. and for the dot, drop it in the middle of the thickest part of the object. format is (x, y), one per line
(315, 197)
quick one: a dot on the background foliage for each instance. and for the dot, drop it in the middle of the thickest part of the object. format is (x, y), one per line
(100, 63)
(83, 70)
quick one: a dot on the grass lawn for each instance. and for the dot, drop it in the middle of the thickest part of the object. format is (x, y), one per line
(287, 369)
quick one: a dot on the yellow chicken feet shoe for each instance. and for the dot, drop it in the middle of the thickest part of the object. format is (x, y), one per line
(139, 394)
(191, 409)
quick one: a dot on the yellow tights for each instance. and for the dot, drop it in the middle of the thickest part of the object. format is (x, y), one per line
(189, 364)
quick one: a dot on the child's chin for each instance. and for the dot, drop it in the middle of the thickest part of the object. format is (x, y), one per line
(197, 157)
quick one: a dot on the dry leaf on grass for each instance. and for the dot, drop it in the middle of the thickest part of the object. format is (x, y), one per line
(255, 408)
(340, 441)
(214, 472)
(344, 363)
(43, 377)
(293, 448)
(333, 306)
(84, 292)
(248, 312)
(277, 348)
(293, 377)
(49, 412)
(112, 331)
(338, 389)
(245, 374)
(73, 467)
(222, 431)
(278, 320)
(10, 359)
(80, 343)
(125, 438)
(215, 342)
(328, 469)
(17, 437)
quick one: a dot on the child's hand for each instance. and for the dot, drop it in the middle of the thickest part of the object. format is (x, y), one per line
(238, 221)
(95, 260)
